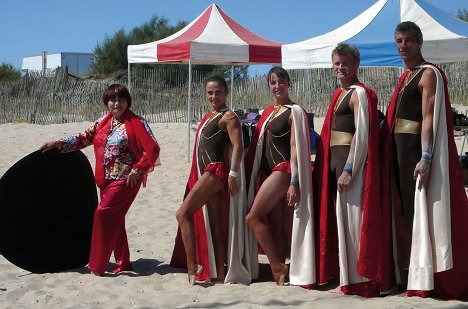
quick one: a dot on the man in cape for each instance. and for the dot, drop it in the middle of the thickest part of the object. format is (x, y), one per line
(347, 182)
(422, 180)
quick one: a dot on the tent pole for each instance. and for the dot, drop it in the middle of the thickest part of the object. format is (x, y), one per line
(189, 116)
(232, 84)
(129, 79)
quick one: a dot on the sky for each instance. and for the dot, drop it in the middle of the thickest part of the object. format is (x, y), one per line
(29, 27)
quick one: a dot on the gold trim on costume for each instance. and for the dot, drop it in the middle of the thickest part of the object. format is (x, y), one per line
(339, 138)
(407, 126)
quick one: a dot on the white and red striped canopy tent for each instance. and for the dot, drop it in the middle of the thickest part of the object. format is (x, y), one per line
(212, 38)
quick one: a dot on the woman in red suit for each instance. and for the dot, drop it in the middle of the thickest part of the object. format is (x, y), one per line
(126, 151)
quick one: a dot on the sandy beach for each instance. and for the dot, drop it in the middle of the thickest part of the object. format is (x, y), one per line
(151, 228)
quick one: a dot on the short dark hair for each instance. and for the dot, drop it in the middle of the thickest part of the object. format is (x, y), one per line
(280, 72)
(116, 90)
(218, 79)
(407, 26)
(344, 49)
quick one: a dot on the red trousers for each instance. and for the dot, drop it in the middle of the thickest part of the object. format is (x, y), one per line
(109, 232)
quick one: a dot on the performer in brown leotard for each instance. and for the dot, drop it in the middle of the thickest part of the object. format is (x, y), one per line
(342, 133)
(279, 159)
(347, 186)
(424, 191)
(204, 231)
(211, 145)
(407, 145)
(276, 148)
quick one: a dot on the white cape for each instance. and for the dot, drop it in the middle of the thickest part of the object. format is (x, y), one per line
(431, 247)
(302, 256)
(349, 208)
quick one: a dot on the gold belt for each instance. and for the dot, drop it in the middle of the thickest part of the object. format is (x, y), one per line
(340, 138)
(407, 126)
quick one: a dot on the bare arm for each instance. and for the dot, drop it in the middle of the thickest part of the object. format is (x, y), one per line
(230, 123)
(344, 181)
(293, 194)
(427, 87)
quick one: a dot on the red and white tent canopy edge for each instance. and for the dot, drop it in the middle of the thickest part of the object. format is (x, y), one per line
(212, 38)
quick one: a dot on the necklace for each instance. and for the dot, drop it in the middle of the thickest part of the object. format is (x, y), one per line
(270, 136)
(213, 116)
(275, 112)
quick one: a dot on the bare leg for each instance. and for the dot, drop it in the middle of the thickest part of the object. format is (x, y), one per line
(214, 212)
(206, 186)
(272, 191)
(277, 230)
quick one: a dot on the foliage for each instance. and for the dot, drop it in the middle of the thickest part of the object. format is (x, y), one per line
(111, 54)
(240, 72)
(156, 29)
(463, 14)
(9, 72)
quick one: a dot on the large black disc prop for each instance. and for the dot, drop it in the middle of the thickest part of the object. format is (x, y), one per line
(47, 203)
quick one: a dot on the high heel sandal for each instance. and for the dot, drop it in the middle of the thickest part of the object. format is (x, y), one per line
(192, 278)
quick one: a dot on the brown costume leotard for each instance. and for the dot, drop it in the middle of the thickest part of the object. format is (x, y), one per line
(212, 142)
(343, 122)
(277, 141)
(407, 144)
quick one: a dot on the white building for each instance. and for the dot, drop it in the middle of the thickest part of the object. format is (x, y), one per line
(77, 63)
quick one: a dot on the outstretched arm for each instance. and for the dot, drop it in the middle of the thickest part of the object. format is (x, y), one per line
(72, 142)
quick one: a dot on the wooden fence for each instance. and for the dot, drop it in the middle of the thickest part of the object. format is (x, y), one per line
(56, 97)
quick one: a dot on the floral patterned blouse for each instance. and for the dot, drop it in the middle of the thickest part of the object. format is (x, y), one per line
(118, 158)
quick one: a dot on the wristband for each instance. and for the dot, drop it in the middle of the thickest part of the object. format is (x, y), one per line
(426, 156)
(294, 182)
(233, 173)
(348, 168)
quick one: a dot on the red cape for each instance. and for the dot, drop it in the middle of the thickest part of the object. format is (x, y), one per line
(453, 283)
(371, 262)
